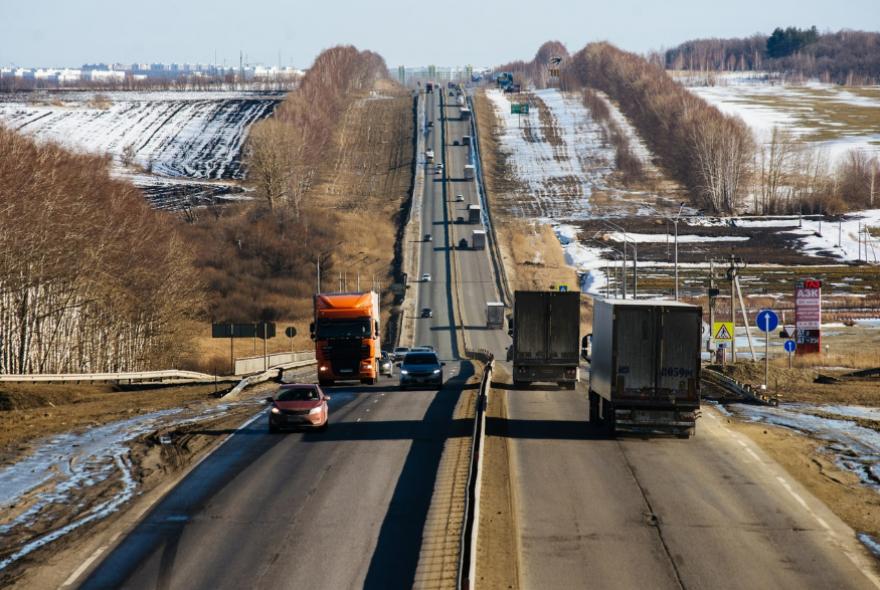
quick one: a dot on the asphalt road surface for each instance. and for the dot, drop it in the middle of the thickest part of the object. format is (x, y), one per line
(709, 512)
(343, 508)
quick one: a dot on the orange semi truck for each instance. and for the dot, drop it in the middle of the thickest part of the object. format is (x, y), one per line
(346, 335)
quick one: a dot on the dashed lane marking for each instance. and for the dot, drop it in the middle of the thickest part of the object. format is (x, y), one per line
(78, 571)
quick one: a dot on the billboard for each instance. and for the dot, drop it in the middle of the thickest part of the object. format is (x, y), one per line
(808, 315)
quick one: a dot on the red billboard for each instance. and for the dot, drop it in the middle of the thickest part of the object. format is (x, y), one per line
(808, 315)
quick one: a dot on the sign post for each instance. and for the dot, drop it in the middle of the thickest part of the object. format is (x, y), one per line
(789, 348)
(767, 322)
(808, 315)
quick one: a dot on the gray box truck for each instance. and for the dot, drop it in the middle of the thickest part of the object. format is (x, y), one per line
(645, 366)
(546, 337)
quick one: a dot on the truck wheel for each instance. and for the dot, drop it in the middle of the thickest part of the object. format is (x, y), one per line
(594, 408)
(566, 384)
(369, 381)
(272, 428)
(517, 384)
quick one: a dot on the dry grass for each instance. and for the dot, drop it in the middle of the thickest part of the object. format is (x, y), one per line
(530, 251)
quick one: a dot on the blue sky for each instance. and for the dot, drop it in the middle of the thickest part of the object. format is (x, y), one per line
(482, 32)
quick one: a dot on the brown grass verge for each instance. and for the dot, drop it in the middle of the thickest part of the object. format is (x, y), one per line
(803, 458)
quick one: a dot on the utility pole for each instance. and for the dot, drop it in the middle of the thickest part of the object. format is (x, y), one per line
(635, 270)
(731, 276)
(675, 223)
(713, 294)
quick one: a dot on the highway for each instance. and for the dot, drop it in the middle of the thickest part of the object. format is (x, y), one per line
(709, 512)
(346, 508)
(343, 508)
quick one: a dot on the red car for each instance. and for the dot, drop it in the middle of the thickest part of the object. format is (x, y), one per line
(301, 404)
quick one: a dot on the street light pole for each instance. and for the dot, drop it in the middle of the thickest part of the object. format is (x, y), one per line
(675, 223)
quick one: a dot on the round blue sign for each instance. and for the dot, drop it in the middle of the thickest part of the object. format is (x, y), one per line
(790, 346)
(767, 320)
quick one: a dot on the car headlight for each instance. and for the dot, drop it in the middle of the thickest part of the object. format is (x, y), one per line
(404, 372)
(436, 371)
(275, 410)
(316, 410)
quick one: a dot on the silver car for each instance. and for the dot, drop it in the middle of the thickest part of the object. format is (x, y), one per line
(386, 364)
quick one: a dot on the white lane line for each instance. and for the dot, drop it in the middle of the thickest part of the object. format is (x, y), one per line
(753, 454)
(358, 420)
(794, 494)
(78, 571)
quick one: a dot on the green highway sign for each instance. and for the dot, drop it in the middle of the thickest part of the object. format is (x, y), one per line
(517, 108)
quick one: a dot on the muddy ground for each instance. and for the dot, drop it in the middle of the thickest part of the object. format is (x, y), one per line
(31, 415)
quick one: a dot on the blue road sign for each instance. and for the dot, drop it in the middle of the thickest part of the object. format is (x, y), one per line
(767, 320)
(790, 346)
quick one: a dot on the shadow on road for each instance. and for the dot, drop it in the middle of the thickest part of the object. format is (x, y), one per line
(400, 539)
(544, 429)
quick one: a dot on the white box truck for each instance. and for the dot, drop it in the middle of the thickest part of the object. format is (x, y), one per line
(645, 366)
(478, 239)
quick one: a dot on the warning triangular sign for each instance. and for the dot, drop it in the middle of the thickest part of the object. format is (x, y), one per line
(723, 333)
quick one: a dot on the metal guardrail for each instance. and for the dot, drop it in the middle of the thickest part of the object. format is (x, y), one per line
(299, 359)
(94, 377)
(467, 564)
(497, 261)
(741, 389)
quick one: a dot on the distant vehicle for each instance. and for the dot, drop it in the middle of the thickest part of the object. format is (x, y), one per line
(346, 334)
(459, 219)
(478, 239)
(399, 353)
(546, 337)
(386, 364)
(427, 313)
(459, 198)
(474, 213)
(658, 343)
(494, 314)
(454, 142)
(429, 87)
(421, 368)
(297, 405)
(469, 172)
(428, 237)
(463, 244)
(430, 123)
(438, 169)
(429, 155)
(423, 347)
(426, 277)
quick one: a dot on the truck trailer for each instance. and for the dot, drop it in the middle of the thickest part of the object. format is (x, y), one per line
(346, 335)
(645, 366)
(546, 337)
(478, 239)
(494, 315)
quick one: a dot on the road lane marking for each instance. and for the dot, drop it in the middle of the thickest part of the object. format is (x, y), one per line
(78, 571)
(753, 454)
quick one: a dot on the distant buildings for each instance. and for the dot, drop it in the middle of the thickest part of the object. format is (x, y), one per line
(120, 73)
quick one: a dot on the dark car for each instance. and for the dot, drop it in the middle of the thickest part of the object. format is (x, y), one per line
(421, 368)
(463, 244)
(427, 313)
(301, 404)
(428, 237)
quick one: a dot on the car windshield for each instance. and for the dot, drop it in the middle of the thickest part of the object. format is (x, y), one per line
(420, 358)
(297, 394)
(402, 349)
(354, 328)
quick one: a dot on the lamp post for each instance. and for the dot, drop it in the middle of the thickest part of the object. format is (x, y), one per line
(675, 224)
(626, 241)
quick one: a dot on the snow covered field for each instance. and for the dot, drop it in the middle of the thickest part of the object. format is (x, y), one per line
(832, 118)
(559, 173)
(162, 138)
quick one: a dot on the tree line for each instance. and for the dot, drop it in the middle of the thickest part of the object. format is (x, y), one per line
(91, 278)
(842, 57)
(259, 258)
(706, 151)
